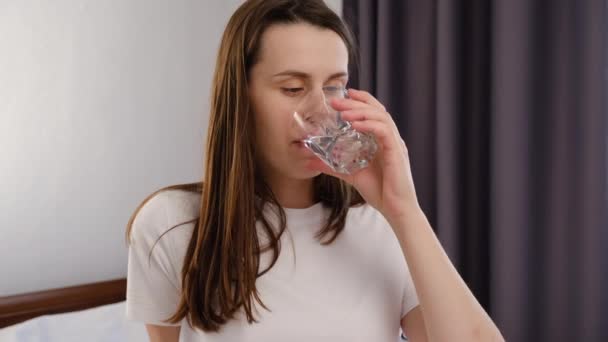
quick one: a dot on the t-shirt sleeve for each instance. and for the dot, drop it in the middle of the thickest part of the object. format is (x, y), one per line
(152, 281)
(410, 297)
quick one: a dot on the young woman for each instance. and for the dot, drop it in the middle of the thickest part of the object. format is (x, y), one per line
(273, 245)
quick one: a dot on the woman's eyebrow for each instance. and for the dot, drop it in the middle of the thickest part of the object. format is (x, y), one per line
(300, 74)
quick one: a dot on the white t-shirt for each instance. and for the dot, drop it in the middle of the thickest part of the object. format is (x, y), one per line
(355, 289)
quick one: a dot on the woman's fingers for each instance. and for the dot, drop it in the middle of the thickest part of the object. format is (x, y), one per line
(381, 130)
(357, 99)
(361, 108)
(363, 96)
(404, 146)
(360, 114)
(346, 104)
(367, 114)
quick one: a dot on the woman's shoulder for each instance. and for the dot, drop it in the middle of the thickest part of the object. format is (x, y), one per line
(364, 212)
(160, 232)
(181, 205)
(368, 219)
(164, 210)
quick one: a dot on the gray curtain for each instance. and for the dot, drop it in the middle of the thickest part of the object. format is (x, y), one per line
(503, 106)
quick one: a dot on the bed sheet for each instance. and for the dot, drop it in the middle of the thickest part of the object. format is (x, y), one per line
(106, 323)
(100, 324)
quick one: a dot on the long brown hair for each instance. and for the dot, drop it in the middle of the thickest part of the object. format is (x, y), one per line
(221, 264)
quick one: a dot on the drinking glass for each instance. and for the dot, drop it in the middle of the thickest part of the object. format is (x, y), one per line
(330, 138)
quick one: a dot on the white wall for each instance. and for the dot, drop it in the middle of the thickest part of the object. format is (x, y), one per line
(335, 5)
(101, 102)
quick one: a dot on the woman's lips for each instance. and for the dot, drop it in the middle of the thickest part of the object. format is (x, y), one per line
(300, 147)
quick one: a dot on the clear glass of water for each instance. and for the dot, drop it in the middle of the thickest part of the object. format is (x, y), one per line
(330, 138)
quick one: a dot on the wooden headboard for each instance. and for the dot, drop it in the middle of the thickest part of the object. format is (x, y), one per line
(18, 308)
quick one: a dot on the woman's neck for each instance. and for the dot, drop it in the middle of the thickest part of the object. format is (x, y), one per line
(293, 193)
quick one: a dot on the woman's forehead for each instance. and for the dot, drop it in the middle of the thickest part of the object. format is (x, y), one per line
(302, 47)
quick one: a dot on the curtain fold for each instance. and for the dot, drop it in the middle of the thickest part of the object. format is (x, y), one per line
(502, 104)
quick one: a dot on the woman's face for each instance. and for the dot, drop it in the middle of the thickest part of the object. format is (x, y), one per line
(295, 63)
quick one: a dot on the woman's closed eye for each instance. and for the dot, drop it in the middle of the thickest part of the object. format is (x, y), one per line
(292, 91)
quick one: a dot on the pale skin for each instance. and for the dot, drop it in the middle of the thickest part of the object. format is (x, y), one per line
(288, 68)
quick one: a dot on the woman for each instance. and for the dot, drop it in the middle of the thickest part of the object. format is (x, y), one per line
(273, 245)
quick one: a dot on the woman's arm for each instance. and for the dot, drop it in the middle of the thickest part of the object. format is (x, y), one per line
(449, 310)
(160, 333)
(413, 326)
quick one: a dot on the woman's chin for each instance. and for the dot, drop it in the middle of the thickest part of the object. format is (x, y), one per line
(302, 171)
(306, 174)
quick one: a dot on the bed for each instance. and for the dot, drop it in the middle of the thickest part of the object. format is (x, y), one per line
(91, 312)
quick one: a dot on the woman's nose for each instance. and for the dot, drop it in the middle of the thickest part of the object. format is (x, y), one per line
(317, 101)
